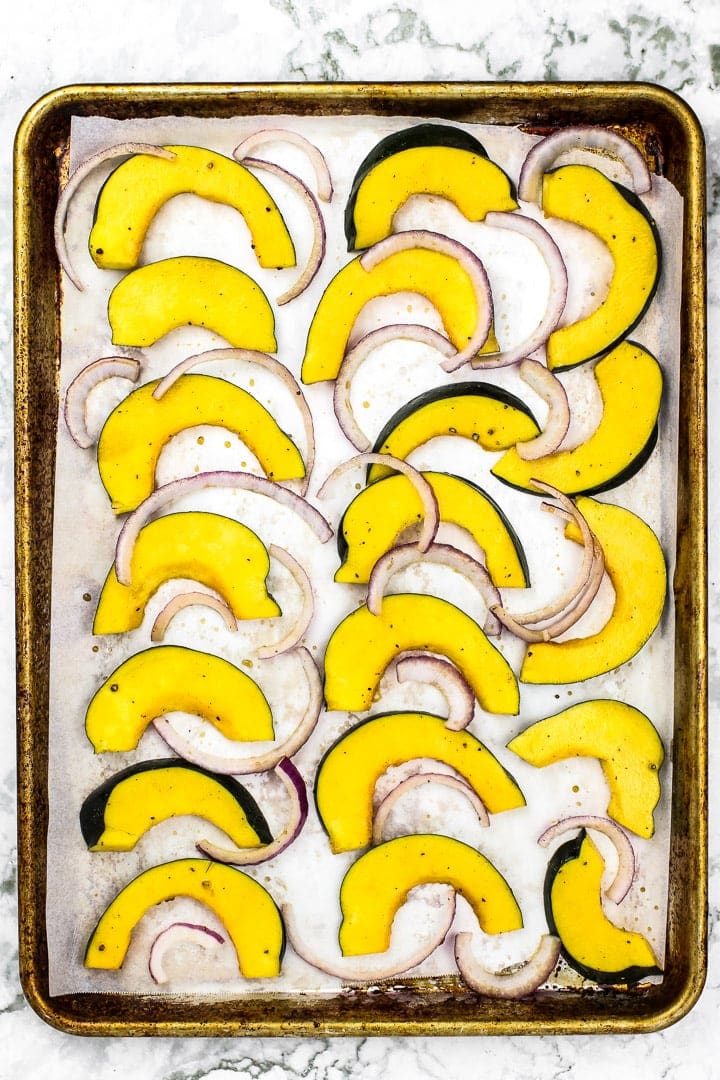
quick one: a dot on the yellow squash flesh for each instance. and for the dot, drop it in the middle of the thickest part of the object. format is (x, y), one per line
(586, 197)
(140, 427)
(189, 290)
(348, 773)
(137, 189)
(635, 564)
(363, 644)
(377, 884)
(623, 740)
(245, 908)
(215, 551)
(171, 678)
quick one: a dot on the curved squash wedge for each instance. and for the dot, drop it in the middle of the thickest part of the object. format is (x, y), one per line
(171, 678)
(586, 197)
(378, 515)
(346, 777)
(377, 884)
(136, 190)
(363, 644)
(139, 427)
(153, 300)
(245, 908)
(591, 943)
(635, 564)
(120, 811)
(630, 382)
(216, 551)
(623, 740)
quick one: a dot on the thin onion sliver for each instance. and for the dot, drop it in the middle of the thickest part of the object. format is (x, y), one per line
(294, 634)
(446, 678)
(76, 395)
(514, 984)
(622, 882)
(293, 138)
(418, 780)
(189, 599)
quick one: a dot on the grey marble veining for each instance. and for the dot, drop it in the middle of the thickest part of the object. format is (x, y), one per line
(46, 45)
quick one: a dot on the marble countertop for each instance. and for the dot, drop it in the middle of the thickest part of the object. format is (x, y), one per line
(47, 45)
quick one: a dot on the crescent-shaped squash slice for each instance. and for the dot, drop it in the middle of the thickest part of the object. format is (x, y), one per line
(586, 197)
(245, 908)
(363, 644)
(591, 943)
(467, 178)
(377, 884)
(487, 414)
(623, 740)
(139, 427)
(189, 290)
(635, 564)
(348, 772)
(630, 383)
(120, 811)
(171, 678)
(216, 551)
(137, 189)
(379, 514)
(433, 274)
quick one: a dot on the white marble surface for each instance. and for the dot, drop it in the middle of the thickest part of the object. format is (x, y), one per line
(50, 43)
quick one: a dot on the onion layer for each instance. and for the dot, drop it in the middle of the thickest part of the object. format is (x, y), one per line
(515, 984)
(316, 158)
(446, 678)
(545, 383)
(294, 634)
(545, 153)
(418, 780)
(621, 883)
(75, 410)
(179, 933)
(189, 599)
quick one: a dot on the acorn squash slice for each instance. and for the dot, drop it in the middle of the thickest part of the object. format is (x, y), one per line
(630, 382)
(379, 514)
(433, 274)
(432, 165)
(245, 908)
(377, 884)
(120, 811)
(635, 564)
(362, 645)
(346, 777)
(189, 290)
(586, 197)
(136, 190)
(139, 427)
(486, 414)
(591, 943)
(624, 741)
(216, 551)
(172, 678)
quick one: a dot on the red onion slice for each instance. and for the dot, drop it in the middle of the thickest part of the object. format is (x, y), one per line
(424, 489)
(445, 555)
(557, 294)
(190, 599)
(179, 933)
(317, 251)
(513, 984)
(295, 787)
(258, 485)
(295, 632)
(316, 158)
(548, 386)
(373, 967)
(545, 153)
(418, 780)
(359, 353)
(468, 260)
(84, 169)
(621, 883)
(446, 678)
(75, 410)
(193, 751)
(271, 364)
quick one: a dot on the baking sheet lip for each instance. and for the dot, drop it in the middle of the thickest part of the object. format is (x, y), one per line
(52, 1009)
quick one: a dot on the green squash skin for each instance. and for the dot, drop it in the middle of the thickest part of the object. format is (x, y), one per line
(92, 812)
(637, 204)
(409, 139)
(566, 853)
(342, 544)
(441, 393)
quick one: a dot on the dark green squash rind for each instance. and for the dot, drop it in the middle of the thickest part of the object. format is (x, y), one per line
(92, 811)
